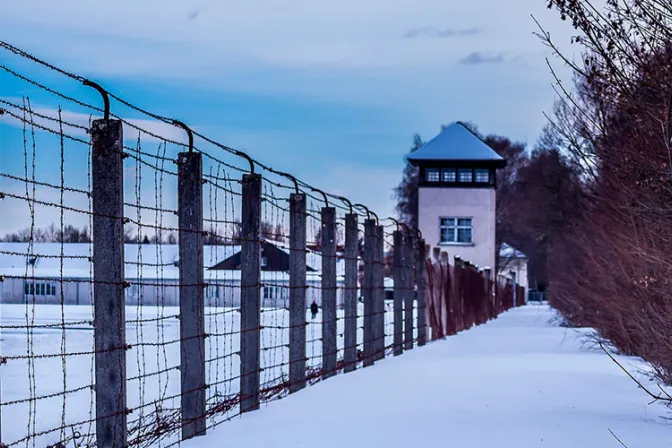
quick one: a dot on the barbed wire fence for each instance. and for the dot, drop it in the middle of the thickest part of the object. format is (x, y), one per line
(204, 283)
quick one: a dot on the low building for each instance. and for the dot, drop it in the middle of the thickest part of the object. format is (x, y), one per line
(512, 263)
(54, 273)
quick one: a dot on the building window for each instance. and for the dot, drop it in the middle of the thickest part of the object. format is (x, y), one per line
(448, 175)
(39, 289)
(482, 176)
(464, 174)
(264, 262)
(274, 292)
(432, 174)
(456, 230)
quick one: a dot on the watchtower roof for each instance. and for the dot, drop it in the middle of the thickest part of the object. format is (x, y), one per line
(455, 143)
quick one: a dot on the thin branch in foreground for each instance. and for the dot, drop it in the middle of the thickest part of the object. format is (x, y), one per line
(655, 397)
(616, 437)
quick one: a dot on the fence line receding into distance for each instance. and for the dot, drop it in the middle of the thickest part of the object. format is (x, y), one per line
(174, 290)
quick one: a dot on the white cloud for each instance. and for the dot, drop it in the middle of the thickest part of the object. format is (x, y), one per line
(297, 32)
(46, 209)
(308, 35)
(361, 184)
(348, 51)
(73, 122)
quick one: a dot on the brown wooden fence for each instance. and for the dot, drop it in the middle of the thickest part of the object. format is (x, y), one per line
(460, 296)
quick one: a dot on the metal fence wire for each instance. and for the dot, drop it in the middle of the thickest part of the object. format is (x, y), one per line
(165, 283)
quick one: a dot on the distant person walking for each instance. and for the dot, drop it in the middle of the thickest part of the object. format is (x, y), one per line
(313, 309)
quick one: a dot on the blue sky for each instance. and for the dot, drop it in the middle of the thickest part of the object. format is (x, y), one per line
(329, 91)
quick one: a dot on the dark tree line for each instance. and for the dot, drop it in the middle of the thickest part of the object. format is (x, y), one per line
(231, 234)
(407, 191)
(50, 234)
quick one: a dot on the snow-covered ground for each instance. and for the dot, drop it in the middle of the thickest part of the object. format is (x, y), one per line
(35, 412)
(518, 381)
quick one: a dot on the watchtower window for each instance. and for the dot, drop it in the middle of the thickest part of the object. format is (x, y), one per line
(432, 174)
(465, 175)
(448, 175)
(482, 175)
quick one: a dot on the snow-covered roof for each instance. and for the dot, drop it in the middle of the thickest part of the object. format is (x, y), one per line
(143, 261)
(507, 251)
(457, 143)
(313, 258)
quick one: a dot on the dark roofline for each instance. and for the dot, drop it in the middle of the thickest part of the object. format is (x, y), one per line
(486, 143)
(466, 163)
(472, 132)
(277, 260)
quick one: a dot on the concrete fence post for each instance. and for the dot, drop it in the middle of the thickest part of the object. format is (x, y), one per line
(409, 321)
(367, 290)
(329, 289)
(420, 283)
(108, 288)
(192, 300)
(297, 292)
(250, 289)
(350, 292)
(379, 292)
(398, 276)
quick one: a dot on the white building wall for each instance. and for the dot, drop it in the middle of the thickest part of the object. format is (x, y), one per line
(12, 290)
(519, 267)
(224, 293)
(476, 203)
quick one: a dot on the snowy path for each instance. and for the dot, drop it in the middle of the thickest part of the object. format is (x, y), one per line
(515, 382)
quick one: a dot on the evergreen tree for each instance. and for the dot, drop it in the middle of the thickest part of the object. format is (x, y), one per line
(407, 191)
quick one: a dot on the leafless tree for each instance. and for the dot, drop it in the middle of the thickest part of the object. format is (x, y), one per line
(613, 266)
